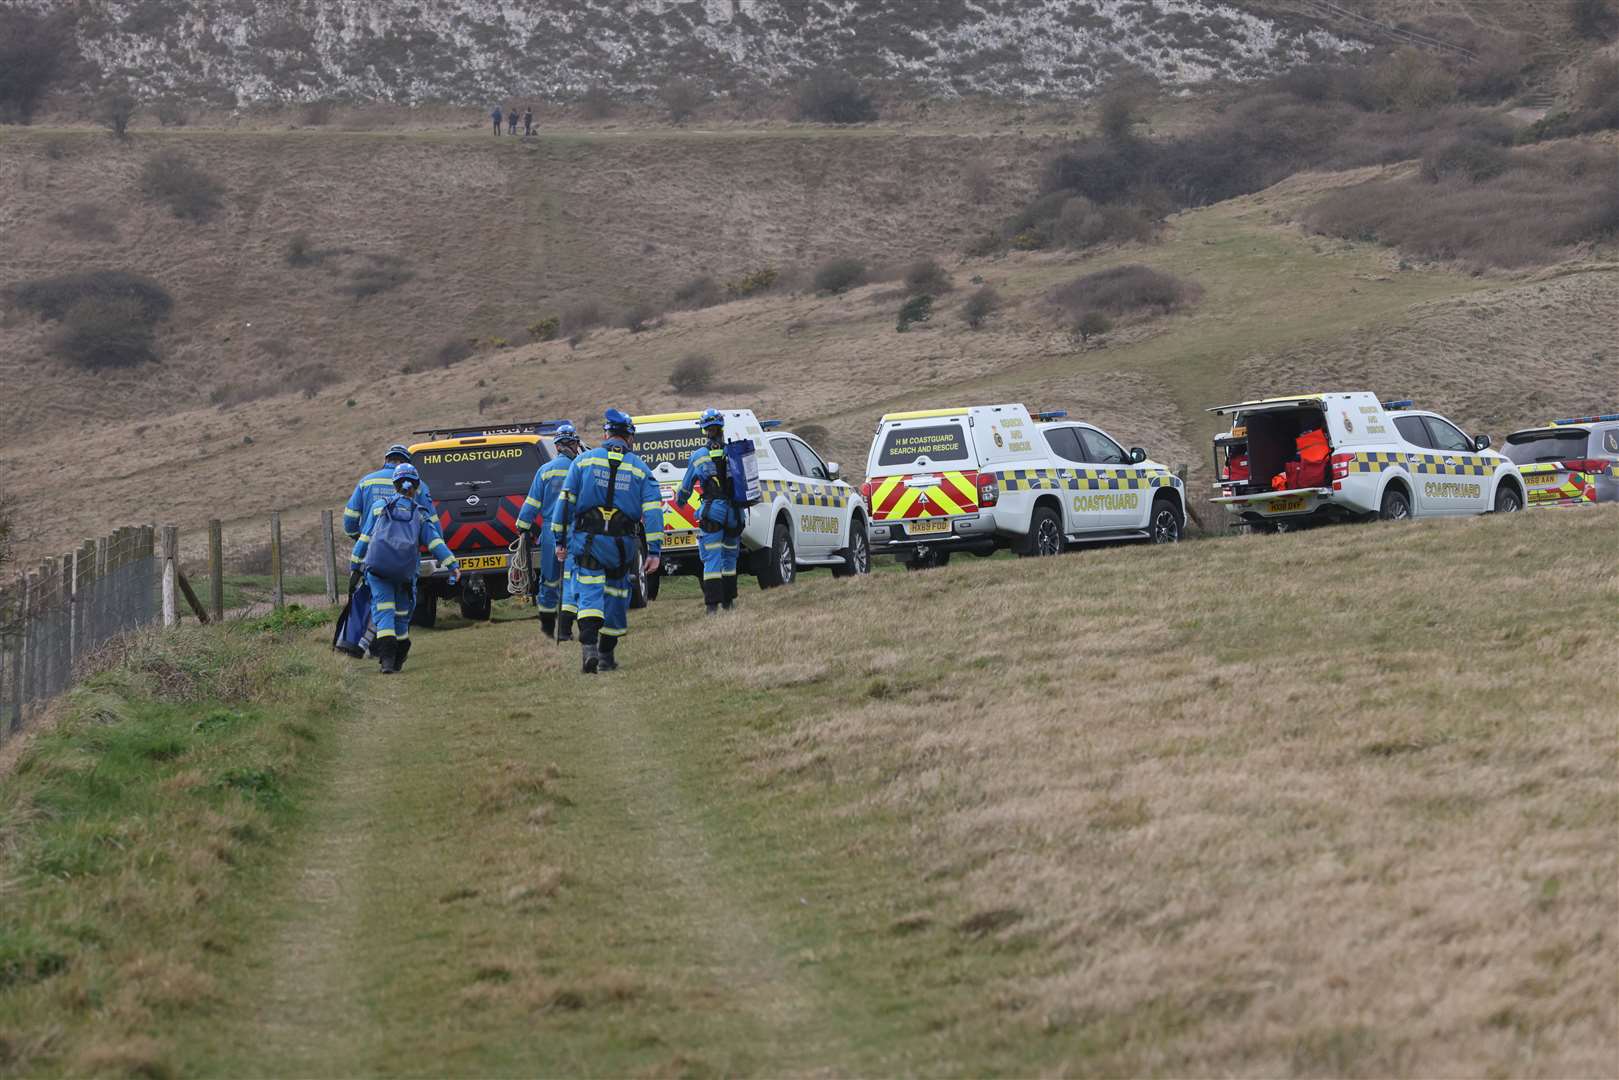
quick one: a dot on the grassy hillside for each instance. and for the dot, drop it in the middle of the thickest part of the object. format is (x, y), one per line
(1338, 803)
(1280, 311)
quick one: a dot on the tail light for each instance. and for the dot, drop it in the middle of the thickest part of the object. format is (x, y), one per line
(868, 489)
(989, 492)
(1340, 466)
(1588, 465)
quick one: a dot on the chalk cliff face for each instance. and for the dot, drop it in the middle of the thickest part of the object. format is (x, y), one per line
(470, 50)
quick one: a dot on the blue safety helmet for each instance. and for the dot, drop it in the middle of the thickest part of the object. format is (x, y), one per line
(407, 474)
(618, 422)
(398, 450)
(566, 432)
(711, 418)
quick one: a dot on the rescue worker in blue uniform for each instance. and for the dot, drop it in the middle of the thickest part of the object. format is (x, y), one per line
(536, 513)
(608, 500)
(720, 521)
(379, 484)
(386, 549)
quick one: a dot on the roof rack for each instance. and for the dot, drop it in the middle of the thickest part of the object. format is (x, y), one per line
(524, 427)
(1402, 403)
(1586, 419)
(1048, 415)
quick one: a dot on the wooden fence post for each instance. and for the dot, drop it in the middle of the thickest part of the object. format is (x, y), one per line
(277, 584)
(171, 570)
(19, 659)
(331, 555)
(216, 569)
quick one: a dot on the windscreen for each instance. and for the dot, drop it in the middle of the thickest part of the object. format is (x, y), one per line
(1530, 447)
(936, 442)
(669, 447)
(458, 471)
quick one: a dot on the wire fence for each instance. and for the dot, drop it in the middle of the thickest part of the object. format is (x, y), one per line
(55, 618)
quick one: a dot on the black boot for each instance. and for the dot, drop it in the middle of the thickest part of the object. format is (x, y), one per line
(609, 645)
(401, 651)
(729, 594)
(713, 594)
(384, 648)
(565, 626)
(590, 653)
(548, 623)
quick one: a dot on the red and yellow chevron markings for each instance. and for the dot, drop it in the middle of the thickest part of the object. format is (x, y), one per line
(902, 497)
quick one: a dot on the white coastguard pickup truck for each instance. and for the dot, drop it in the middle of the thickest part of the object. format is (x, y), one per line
(1376, 460)
(808, 516)
(982, 477)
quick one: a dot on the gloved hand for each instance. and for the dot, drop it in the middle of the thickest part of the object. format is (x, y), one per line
(356, 576)
(455, 573)
(651, 565)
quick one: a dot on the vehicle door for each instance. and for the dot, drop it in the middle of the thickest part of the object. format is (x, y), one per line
(807, 542)
(1419, 459)
(1068, 456)
(1460, 485)
(1121, 499)
(822, 506)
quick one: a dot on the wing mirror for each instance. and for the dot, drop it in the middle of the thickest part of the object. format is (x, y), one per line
(1481, 442)
(1137, 455)
(833, 469)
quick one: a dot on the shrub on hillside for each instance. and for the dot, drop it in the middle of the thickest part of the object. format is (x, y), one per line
(316, 113)
(980, 305)
(1412, 79)
(170, 178)
(699, 292)
(839, 275)
(172, 113)
(681, 99)
(545, 329)
(104, 332)
(451, 352)
(753, 283)
(1091, 324)
(1546, 201)
(915, 310)
(1125, 290)
(1496, 74)
(830, 96)
(1467, 159)
(596, 103)
(380, 274)
(86, 221)
(692, 374)
(1593, 20)
(1596, 108)
(640, 316)
(115, 108)
(35, 50)
(51, 297)
(582, 316)
(926, 276)
(311, 379)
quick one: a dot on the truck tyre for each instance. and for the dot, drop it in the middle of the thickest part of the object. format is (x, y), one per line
(653, 584)
(425, 613)
(778, 565)
(475, 602)
(1507, 499)
(1168, 522)
(1045, 534)
(929, 560)
(857, 556)
(1396, 505)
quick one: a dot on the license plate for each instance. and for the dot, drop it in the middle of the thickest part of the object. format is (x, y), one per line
(919, 528)
(484, 562)
(1290, 504)
(679, 540)
(1548, 479)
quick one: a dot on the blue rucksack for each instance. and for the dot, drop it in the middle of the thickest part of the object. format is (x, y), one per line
(394, 551)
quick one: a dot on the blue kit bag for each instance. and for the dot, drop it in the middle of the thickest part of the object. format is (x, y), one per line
(742, 470)
(394, 551)
(351, 624)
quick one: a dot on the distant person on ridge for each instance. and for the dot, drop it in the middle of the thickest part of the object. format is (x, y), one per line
(528, 121)
(496, 116)
(511, 117)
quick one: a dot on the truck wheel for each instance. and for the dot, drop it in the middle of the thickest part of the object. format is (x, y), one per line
(425, 613)
(1045, 534)
(653, 584)
(1167, 522)
(858, 559)
(779, 564)
(475, 603)
(638, 579)
(1396, 505)
(1507, 500)
(928, 560)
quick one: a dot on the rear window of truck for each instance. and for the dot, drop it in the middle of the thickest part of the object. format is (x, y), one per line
(669, 447)
(1530, 447)
(938, 442)
(484, 470)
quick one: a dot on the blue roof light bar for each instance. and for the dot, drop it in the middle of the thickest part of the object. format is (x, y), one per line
(1402, 403)
(1048, 415)
(1587, 419)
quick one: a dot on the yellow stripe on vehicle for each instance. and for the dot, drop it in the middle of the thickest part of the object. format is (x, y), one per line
(906, 501)
(959, 482)
(939, 498)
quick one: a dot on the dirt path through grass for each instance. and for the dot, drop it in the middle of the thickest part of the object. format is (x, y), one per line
(485, 886)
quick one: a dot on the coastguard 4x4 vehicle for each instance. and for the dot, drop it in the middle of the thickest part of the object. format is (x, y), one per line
(982, 477)
(1572, 462)
(807, 515)
(479, 477)
(1312, 458)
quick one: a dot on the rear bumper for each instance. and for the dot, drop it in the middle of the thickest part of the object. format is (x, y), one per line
(1303, 504)
(967, 532)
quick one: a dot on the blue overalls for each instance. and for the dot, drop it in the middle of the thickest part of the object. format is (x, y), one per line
(607, 499)
(720, 523)
(539, 507)
(392, 601)
(372, 487)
